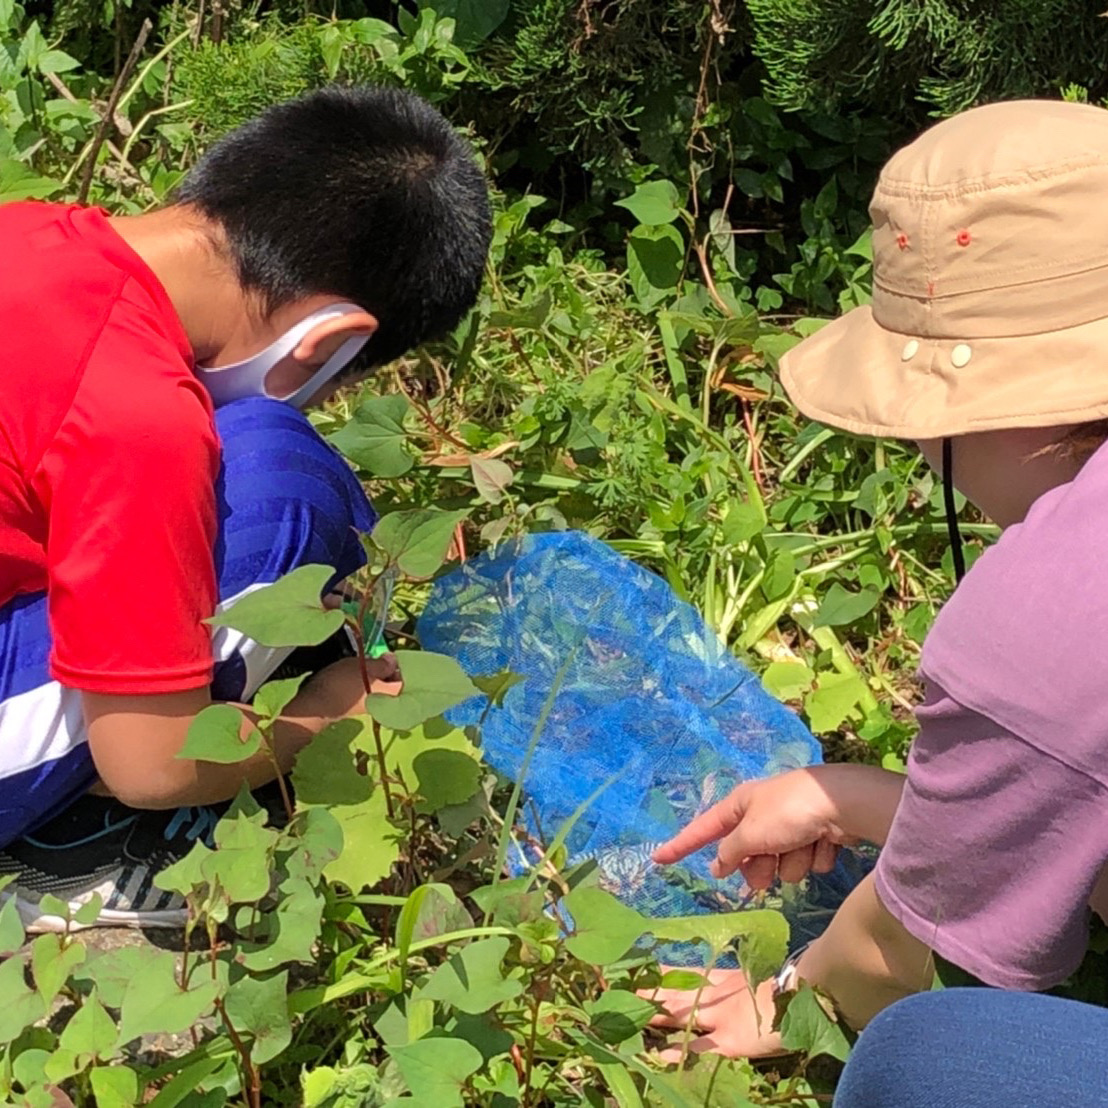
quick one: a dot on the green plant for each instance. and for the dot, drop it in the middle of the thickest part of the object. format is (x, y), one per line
(945, 55)
(448, 984)
(661, 227)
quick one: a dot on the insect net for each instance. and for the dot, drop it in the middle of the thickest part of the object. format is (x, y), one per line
(640, 718)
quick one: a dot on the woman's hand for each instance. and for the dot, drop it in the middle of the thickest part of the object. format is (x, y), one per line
(731, 1019)
(792, 824)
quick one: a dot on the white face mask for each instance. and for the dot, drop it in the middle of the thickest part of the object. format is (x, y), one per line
(247, 378)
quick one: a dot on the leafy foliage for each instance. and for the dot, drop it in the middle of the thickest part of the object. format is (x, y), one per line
(662, 227)
(945, 54)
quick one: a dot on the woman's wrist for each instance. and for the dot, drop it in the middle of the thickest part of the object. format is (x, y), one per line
(863, 799)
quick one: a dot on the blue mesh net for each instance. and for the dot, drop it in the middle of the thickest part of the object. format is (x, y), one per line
(652, 719)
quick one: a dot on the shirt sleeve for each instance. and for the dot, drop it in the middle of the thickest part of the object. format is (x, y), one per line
(994, 851)
(129, 485)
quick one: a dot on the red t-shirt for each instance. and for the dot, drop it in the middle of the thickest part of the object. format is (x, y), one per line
(108, 456)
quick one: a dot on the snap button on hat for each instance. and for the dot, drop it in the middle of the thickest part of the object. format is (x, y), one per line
(1007, 272)
(960, 355)
(911, 349)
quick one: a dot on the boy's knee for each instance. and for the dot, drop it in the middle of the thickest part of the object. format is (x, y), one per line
(286, 495)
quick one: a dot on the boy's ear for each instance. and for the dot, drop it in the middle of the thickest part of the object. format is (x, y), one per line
(326, 337)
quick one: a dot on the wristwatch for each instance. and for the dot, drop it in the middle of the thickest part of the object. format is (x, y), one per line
(787, 978)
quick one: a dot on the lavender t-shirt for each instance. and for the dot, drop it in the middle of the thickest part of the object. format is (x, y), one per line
(1002, 833)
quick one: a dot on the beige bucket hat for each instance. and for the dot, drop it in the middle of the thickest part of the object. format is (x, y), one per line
(990, 283)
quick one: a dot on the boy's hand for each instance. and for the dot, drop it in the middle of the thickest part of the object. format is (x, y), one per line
(732, 1021)
(785, 826)
(338, 690)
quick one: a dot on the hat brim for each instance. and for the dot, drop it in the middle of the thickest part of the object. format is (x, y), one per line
(859, 377)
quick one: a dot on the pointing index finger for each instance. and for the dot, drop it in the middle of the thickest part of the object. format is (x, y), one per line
(708, 827)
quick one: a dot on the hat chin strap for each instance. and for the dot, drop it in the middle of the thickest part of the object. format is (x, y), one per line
(952, 531)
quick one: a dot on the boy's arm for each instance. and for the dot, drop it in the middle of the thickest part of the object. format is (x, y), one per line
(134, 740)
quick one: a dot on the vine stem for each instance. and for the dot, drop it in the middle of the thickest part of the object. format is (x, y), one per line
(424, 413)
(384, 770)
(359, 640)
(755, 455)
(109, 110)
(286, 799)
(532, 1037)
(250, 1070)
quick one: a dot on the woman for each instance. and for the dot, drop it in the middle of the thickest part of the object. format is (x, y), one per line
(985, 345)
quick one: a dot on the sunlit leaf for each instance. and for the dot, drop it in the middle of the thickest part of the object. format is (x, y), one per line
(21, 1006)
(215, 735)
(604, 928)
(11, 928)
(289, 612)
(806, 1027)
(20, 182)
(114, 1086)
(52, 962)
(374, 437)
(327, 773)
(259, 1007)
(763, 936)
(835, 696)
(433, 683)
(472, 979)
(416, 541)
(155, 1002)
(91, 1031)
(436, 1068)
(653, 203)
(742, 522)
(275, 696)
(787, 680)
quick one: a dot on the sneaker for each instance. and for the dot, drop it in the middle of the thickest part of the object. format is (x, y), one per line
(99, 846)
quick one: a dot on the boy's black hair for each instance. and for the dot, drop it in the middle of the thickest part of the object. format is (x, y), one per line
(364, 193)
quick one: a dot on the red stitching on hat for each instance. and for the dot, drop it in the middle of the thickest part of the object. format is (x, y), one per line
(963, 237)
(902, 241)
(930, 288)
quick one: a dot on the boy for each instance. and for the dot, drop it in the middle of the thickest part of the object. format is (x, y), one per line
(347, 221)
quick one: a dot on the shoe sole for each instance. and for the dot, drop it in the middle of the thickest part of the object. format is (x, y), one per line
(36, 923)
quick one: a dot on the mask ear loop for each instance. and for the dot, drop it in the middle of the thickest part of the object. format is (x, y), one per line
(952, 531)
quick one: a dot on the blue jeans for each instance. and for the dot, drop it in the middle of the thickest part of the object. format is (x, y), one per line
(980, 1048)
(285, 499)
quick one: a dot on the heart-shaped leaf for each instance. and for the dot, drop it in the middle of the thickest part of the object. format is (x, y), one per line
(287, 613)
(653, 203)
(436, 1068)
(416, 541)
(215, 735)
(433, 683)
(374, 438)
(472, 979)
(604, 928)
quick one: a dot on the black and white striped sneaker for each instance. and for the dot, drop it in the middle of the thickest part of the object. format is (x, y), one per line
(98, 845)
